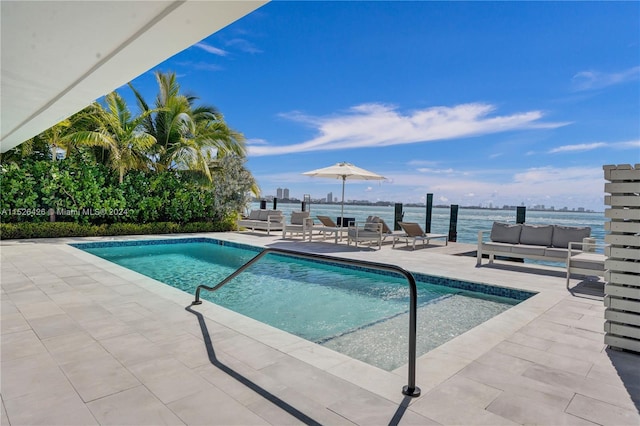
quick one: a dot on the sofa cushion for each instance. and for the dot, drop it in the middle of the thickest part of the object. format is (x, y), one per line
(536, 235)
(563, 235)
(505, 232)
(264, 215)
(593, 261)
(254, 215)
(297, 218)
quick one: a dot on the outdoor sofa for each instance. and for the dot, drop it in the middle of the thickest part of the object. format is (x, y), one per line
(263, 220)
(525, 241)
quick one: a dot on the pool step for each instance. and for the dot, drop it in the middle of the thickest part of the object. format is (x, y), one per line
(385, 343)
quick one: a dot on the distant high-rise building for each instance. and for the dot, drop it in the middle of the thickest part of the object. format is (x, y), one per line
(330, 197)
(279, 193)
(285, 193)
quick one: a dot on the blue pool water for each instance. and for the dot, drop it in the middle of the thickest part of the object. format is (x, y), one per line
(358, 312)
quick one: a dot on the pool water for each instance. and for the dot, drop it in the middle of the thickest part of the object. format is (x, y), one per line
(357, 312)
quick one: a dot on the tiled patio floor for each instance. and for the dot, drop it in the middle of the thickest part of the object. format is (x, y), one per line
(87, 342)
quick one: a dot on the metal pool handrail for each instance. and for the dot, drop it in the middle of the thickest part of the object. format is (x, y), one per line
(411, 389)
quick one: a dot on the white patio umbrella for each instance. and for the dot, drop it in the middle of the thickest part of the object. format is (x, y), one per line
(344, 171)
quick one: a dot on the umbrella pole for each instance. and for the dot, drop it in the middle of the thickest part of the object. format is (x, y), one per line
(344, 178)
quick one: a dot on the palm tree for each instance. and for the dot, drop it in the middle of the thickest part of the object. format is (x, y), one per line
(56, 136)
(120, 134)
(188, 136)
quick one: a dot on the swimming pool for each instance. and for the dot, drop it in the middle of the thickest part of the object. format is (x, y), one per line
(353, 310)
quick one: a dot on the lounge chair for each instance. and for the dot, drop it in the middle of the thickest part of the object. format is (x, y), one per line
(329, 227)
(414, 232)
(300, 223)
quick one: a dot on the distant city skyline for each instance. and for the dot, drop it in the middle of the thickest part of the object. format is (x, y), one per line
(475, 102)
(540, 207)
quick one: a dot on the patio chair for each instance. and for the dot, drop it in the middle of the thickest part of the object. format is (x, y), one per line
(414, 232)
(386, 231)
(367, 231)
(329, 227)
(299, 223)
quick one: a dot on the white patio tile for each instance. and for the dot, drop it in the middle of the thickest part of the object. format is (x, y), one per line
(133, 348)
(97, 377)
(54, 325)
(33, 374)
(21, 344)
(12, 323)
(535, 408)
(168, 379)
(546, 358)
(288, 407)
(214, 407)
(64, 408)
(132, 407)
(602, 413)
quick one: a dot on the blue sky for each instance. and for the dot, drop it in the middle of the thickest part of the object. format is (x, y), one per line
(476, 102)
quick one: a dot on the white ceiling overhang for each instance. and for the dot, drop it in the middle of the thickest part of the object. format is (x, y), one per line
(59, 56)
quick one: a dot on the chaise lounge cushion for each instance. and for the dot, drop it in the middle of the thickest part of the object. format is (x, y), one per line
(536, 235)
(505, 233)
(563, 235)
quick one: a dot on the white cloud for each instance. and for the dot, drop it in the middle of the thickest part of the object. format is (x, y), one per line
(435, 171)
(628, 144)
(552, 186)
(578, 147)
(595, 145)
(256, 141)
(588, 80)
(422, 163)
(374, 125)
(211, 49)
(243, 45)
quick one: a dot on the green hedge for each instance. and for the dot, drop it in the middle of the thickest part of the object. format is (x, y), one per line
(87, 193)
(68, 229)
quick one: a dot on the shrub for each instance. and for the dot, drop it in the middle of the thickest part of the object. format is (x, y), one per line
(24, 230)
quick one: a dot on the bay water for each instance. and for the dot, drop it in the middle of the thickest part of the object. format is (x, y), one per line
(470, 220)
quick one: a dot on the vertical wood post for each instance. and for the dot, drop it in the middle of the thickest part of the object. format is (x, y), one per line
(453, 223)
(521, 214)
(427, 223)
(397, 217)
